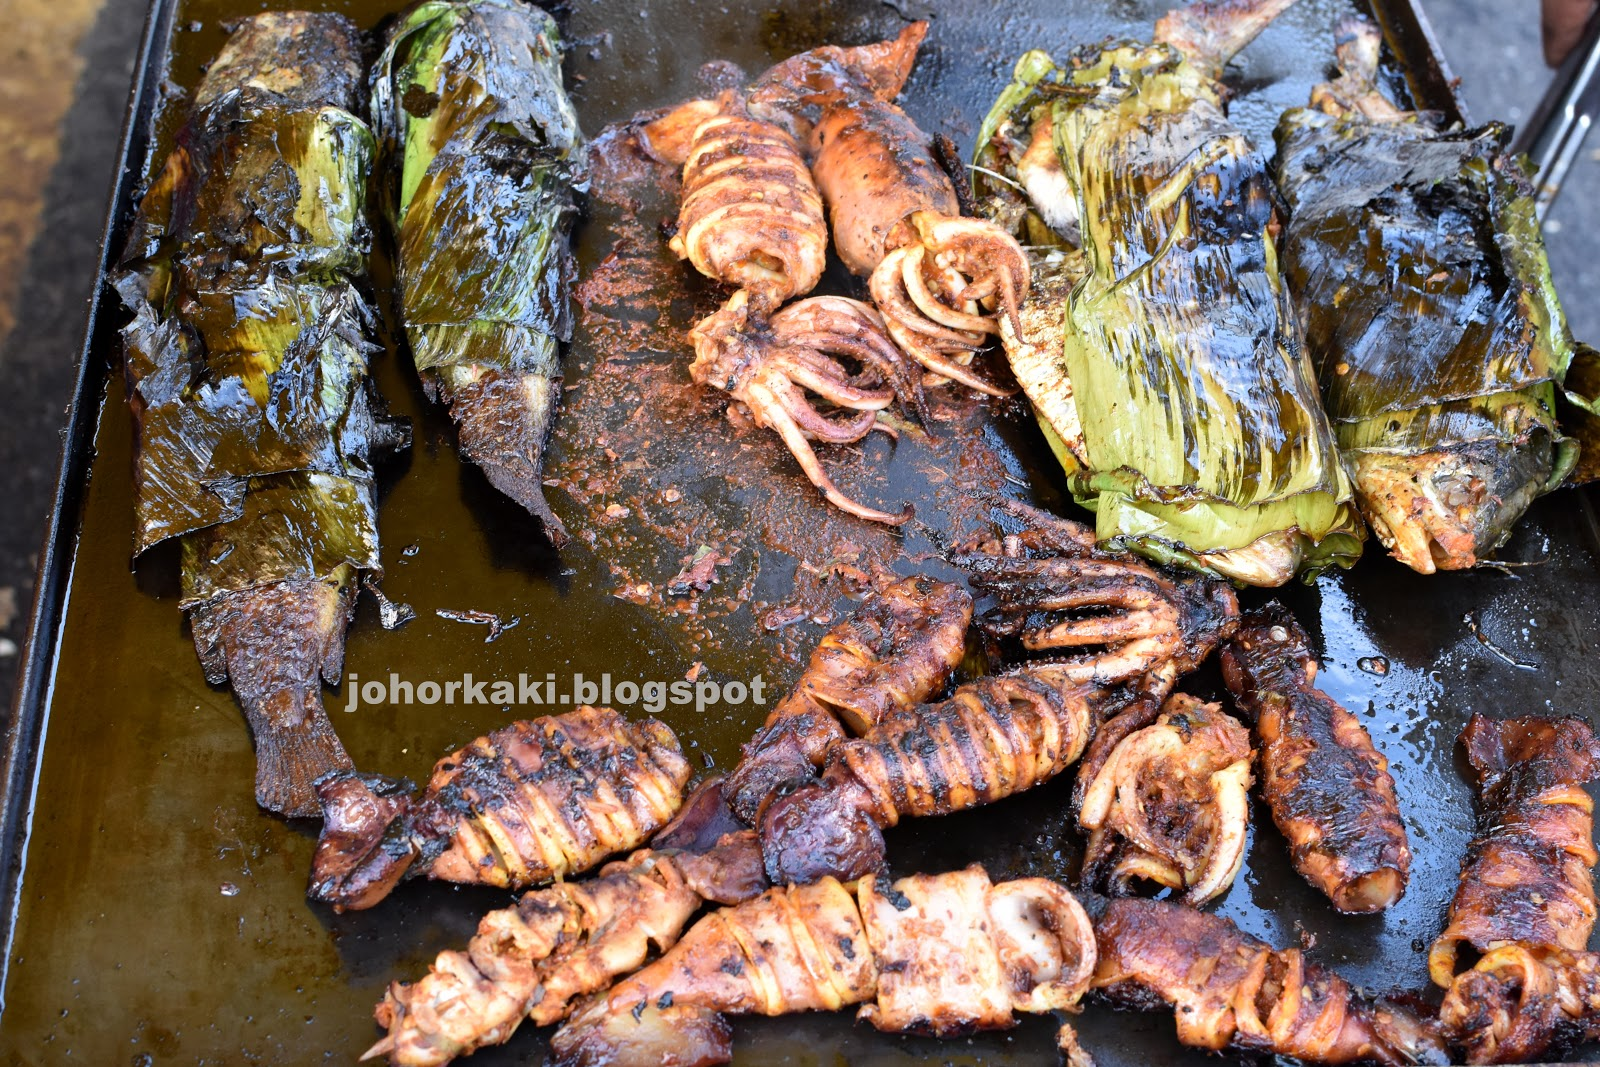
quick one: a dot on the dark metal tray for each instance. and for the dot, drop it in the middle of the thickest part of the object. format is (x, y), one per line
(156, 916)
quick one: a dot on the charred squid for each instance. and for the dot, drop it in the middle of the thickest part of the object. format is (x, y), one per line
(1132, 632)
(1526, 899)
(528, 803)
(532, 960)
(1229, 989)
(1170, 805)
(1328, 787)
(760, 165)
(934, 954)
(937, 278)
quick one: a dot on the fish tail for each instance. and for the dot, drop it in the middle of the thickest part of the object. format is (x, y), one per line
(290, 759)
(503, 421)
(277, 643)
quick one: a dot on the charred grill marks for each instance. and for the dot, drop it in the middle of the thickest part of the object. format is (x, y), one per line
(528, 803)
(576, 938)
(1329, 789)
(1170, 805)
(1231, 989)
(1526, 898)
(944, 954)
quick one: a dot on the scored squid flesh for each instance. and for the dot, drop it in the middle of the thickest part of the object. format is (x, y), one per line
(1131, 628)
(895, 213)
(533, 959)
(529, 803)
(759, 164)
(1230, 989)
(934, 954)
(751, 215)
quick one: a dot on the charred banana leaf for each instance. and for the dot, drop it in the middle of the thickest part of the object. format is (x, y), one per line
(1158, 346)
(246, 363)
(1419, 272)
(481, 157)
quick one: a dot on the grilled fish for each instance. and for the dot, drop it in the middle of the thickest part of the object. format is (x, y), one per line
(247, 374)
(1419, 272)
(1158, 346)
(481, 159)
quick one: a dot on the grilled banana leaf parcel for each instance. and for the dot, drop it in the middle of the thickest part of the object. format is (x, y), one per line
(481, 157)
(246, 363)
(1419, 272)
(1158, 346)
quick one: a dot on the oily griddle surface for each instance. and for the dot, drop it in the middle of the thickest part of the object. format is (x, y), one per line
(162, 917)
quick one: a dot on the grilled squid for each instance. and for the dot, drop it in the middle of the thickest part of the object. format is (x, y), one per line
(528, 803)
(1171, 805)
(895, 651)
(534, 959)
(936, 954)
(1526, 899)
(992, 738)
(936, 277)
(1004, 734)
(1519, 1001)
(831, 348)
(1329, 789)
(1529, 873)
(1117, 618)
(1230, 989)
(751, 215)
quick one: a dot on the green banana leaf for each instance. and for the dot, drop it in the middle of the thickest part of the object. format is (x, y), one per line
(247, 354)
(1419, 271)
(1169, 376)
(489, 154)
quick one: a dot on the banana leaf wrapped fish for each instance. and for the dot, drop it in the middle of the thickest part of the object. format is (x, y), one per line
(1419, 272)
(481, 157)
(246, 362)
(1158, 347)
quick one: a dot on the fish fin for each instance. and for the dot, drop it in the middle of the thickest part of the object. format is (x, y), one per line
(290, 759)
(277, 642)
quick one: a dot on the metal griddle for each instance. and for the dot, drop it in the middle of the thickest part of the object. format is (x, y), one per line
(159, 917)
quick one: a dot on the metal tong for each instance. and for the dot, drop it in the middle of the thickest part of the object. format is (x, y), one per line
(1554, 134)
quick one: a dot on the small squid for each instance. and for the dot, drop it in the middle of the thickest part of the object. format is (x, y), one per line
(938, 278)
(759, 167)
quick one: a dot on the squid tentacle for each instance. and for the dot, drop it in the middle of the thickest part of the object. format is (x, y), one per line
(1143, 622)
(768, 365)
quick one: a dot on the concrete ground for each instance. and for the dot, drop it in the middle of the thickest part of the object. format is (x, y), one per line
(65, 66)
